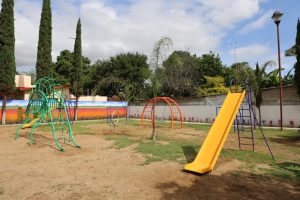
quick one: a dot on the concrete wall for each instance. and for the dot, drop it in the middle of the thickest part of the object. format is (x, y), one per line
(93, 98)
(270, 96)
(271, 115)
(206, 113)
(203, 109)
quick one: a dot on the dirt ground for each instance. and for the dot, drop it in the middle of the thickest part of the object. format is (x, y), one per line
(97, 171)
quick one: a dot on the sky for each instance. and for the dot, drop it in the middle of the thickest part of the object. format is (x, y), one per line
(110, 27)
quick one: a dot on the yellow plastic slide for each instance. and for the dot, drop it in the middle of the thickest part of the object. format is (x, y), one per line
(214, 142)
(29, 124)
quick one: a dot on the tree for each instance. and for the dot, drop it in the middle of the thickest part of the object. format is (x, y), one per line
(63, 67)
(212, 86)
(180, 75)
(110, 86)
(44, 58)
(297, 64)
(76, 70)
(241, 72)
(109, 77)
(291, 51)
(7, 53)
(260, 74)
(272, 79)
(289, 79)
(158, 56)
(210, 64)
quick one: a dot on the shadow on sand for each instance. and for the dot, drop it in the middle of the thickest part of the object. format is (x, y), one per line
(230, 186)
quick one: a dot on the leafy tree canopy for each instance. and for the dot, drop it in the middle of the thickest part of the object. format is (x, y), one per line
(181, 75)
(214, 85)
(63, 66)
(210, 64)
(125, 72)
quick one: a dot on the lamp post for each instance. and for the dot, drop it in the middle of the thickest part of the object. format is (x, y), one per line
(233, 44)
(277, 18)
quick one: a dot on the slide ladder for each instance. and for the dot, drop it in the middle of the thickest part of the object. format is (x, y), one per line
(245, 116)
(253, 123)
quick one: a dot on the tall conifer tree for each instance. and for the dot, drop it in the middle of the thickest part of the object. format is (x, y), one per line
(44, 58)
(7, 53)
(76, 76)
(7, 49)
(297, 64)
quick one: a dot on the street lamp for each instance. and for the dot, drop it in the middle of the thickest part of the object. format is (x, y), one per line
(277, 18)
(233, 44)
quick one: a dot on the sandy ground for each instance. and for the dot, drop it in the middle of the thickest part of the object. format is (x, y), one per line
(97, 171)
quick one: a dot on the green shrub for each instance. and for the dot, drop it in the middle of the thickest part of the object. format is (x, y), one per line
(213, 86)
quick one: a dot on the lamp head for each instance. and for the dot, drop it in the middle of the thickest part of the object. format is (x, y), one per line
(277, 16)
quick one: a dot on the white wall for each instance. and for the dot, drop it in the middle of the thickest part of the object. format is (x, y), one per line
(289, 113)
(93, 98)
(202, 113)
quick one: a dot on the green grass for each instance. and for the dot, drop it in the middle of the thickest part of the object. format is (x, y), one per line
(121, 141)
(284, 170)
(163, 150)
(77, 127)
(198, 127)
(247, 156)
(185, 151)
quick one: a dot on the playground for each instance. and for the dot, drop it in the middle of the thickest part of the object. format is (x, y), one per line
(123, 163)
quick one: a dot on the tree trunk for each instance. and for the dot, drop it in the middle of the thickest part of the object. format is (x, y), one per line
(259, 113)
(153, 123)
(76, 108)
(3, 118)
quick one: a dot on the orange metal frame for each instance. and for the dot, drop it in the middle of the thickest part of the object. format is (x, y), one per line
(171, 103)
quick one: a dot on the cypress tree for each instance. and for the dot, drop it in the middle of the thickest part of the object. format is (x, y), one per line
(297, 64)
(7, 53)
(76, 76)
(7, 49)
(44, 58)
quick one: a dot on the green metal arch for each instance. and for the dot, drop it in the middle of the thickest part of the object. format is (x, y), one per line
(45, 98)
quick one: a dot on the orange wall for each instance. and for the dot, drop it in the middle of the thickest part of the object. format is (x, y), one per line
(14, 116)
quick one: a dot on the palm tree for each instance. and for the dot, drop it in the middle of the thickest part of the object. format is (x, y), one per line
(260, 76)
(289, 78)
(291, 51)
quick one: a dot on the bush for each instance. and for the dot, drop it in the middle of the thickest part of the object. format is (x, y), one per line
(213, 86)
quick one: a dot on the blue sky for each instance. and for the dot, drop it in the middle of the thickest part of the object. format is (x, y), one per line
(266, 34)
(114, 26)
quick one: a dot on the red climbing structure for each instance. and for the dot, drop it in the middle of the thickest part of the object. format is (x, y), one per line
(175, 112)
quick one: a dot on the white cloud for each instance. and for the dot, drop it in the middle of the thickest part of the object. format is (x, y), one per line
(259, 23)
(227, 12)
(108, 29)
(250, 53)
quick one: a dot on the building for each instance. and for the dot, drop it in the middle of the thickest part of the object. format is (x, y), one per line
(24, 86)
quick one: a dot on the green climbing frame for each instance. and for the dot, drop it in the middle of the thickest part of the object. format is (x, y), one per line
(47, 105)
